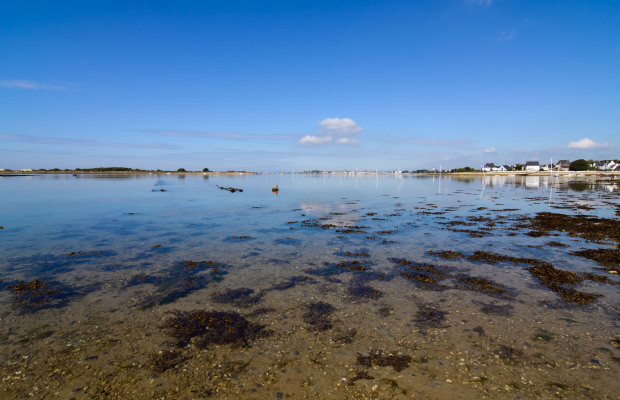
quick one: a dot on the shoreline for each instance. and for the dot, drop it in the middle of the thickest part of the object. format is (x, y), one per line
(494, 173)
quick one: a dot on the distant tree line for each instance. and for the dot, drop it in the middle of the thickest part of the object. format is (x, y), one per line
(466, 169)
(108, 169)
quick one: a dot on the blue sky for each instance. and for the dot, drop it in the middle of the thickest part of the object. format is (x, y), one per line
(296, 85)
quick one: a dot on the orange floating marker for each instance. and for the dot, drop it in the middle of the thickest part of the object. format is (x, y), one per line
(275, 188)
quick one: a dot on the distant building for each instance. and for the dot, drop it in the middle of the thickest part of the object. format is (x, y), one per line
(488, 167)
(562, 165)
(503, 168)
(605, 165)
(532, 166)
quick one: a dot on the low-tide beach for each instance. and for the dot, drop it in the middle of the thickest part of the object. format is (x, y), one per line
(375, 287)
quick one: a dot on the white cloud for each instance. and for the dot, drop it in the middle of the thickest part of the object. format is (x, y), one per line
(309, 140)
(21, 84)
(490, 151)
(348, 141)
(587, 143)
(340, 126)
(343, 128)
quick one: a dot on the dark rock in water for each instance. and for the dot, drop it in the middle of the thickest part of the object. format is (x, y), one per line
(230, 189)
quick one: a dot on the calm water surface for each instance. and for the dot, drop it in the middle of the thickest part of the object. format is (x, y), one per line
(342, 287)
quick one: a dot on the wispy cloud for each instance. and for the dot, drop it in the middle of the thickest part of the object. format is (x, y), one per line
(76, 142)
(348, 141)
(492, 150)
(587, 143)
(245, 137)
(482, 3)
(21, 84)
(503, 35)
(342, 128)
(427, 142)
(310, 140)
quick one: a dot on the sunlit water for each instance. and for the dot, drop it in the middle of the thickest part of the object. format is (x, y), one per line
(117, 254)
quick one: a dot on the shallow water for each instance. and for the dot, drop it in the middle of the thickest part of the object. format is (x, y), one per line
(95, 269)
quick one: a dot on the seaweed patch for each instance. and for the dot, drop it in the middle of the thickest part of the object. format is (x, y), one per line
(426, 276)
(164, 360)
(178, 281)
(241, 297)
(606, 257)
(33, 295)
(358, 291)
(206, 328)
(380, 359)
(292, 282)
(430, 317)
(317, 316)
(505, 310)
(85, 253)
(509, 354)
(483, 285)
(556, 279)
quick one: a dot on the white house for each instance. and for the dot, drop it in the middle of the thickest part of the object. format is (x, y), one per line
(532, 166)
(488, 167)
(605, 165)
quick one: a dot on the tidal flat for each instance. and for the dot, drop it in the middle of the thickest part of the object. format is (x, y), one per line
(336, 286)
